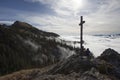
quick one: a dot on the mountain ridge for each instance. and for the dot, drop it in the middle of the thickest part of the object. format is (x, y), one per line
(24, 47)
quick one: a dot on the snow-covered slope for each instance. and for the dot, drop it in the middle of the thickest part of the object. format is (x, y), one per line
(97, 43)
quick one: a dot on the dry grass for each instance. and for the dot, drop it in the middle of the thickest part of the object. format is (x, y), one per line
(25, 74)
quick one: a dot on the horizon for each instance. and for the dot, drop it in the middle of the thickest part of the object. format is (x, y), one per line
(63, 16)
(93, 34)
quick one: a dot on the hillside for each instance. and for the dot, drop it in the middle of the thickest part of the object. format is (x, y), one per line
(75, 67)
(23, 46)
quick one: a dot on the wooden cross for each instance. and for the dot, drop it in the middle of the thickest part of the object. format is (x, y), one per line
(81, 33)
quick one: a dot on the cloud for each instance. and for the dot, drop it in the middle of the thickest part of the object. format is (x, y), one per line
(52, 23)
(96, 44)
(6, 22)
(101, 16)
(63, 7)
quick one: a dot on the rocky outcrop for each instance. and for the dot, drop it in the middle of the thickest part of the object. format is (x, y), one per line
(100, 68)
(111, 56)
(75, 63)
(111, 61)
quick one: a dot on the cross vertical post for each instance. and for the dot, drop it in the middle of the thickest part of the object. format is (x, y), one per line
(81, 33)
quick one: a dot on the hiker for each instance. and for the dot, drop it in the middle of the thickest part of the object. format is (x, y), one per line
(87, 52)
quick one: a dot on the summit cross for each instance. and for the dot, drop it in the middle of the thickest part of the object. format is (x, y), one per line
(81, 33)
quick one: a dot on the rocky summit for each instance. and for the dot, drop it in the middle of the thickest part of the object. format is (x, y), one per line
(75, 67)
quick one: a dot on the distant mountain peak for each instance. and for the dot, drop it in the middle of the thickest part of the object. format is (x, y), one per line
(21, 24)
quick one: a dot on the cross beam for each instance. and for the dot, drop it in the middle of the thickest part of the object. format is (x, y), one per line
(81, 33)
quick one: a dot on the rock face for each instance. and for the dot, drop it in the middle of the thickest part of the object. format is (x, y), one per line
(112, 58)
(102, 68)
(74, 63)
(23, 46)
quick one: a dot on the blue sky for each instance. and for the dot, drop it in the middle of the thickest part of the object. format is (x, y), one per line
(62, 16)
